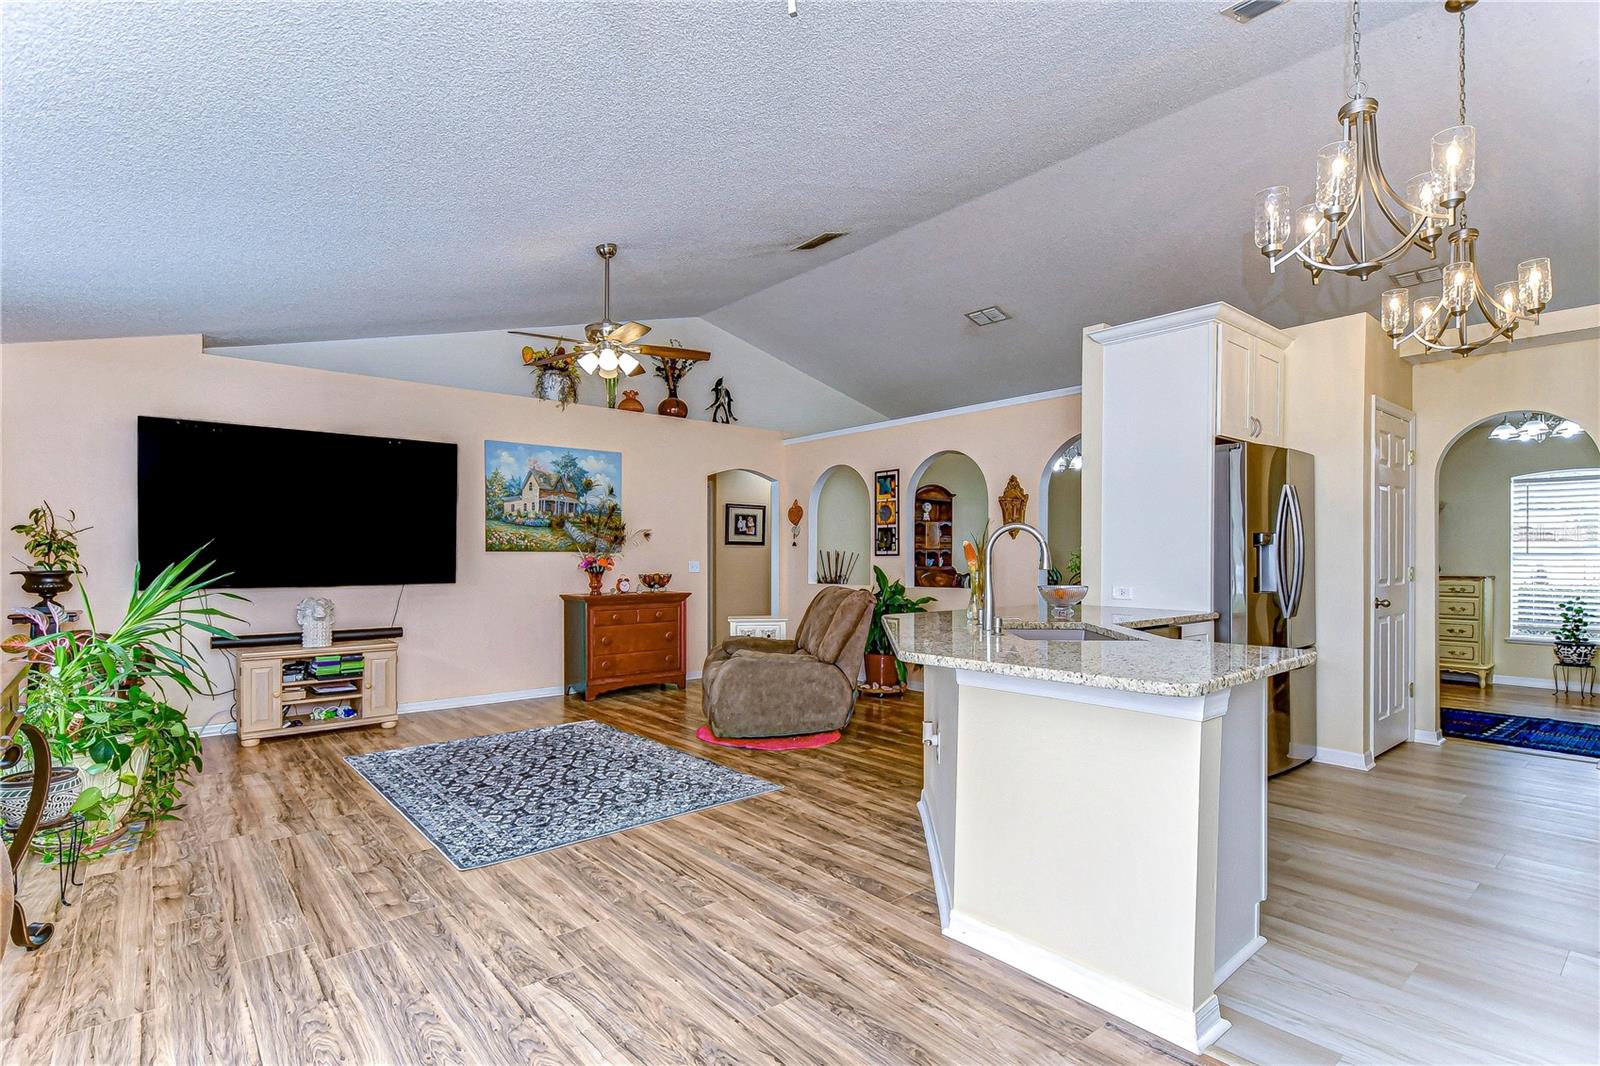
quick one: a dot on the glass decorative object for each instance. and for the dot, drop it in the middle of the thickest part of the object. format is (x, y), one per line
(314, 616)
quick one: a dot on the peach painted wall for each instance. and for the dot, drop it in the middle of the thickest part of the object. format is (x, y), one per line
(1018, 439)
(67, 433)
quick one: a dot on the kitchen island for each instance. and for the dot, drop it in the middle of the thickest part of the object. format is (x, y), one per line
(1095, 802)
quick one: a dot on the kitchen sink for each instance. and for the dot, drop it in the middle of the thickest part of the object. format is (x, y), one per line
(1060, 634)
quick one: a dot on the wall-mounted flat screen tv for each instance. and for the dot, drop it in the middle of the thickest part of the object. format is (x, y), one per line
(287, 508)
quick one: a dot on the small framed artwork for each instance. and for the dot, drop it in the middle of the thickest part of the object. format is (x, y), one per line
(744, 523)
(886, 512)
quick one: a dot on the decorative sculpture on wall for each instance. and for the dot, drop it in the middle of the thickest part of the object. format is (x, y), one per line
(1013, 503)
(721, 404)
(796, 513)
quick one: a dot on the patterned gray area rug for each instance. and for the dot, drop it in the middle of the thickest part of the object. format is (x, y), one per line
(483, 800)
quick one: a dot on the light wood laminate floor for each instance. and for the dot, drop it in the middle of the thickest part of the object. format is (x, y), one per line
(1438, 909)
(1517, 699)
(295, 917)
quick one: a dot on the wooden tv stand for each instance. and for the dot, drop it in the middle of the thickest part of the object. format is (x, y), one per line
(269, 706)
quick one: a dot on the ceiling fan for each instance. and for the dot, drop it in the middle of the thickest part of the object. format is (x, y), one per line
(609, 349)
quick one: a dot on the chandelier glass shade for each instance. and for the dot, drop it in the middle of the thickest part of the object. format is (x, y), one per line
(1341, 229)
(1534, 428)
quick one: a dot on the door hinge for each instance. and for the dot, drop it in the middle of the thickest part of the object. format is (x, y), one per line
(1411, 688)
(1411, 457)
(1411, 573)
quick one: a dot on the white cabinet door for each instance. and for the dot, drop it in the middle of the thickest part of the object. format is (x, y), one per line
(1266, 392)
(1235, 351)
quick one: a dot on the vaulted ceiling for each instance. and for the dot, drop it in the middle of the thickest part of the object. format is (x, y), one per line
(270, 173)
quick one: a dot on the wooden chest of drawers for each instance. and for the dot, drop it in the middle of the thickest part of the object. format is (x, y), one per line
(1466, 626)
(617, 641)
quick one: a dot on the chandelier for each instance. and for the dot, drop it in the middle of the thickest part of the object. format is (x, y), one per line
(1352, 195)
(1535, 428)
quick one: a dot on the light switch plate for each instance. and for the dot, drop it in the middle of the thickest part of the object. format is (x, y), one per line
(1122, 592)
(694, 566)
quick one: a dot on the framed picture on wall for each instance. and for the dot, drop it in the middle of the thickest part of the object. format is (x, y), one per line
(744, 523)
(886, 512)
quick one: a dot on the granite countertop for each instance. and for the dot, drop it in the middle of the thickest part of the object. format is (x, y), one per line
(1133, 662)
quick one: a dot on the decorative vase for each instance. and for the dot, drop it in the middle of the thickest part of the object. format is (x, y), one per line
(630, 401)
(1574, 654)
(673, 407)
(595, 578)
(881, 671)
(975, 598)
(15, 788)
(46, 584)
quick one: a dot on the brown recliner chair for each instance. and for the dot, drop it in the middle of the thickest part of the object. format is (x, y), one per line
(758, 687)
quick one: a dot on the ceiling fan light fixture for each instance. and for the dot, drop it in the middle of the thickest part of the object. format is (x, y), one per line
(589, 362)
(1504, 431)
(1567, 429)
(627, 362)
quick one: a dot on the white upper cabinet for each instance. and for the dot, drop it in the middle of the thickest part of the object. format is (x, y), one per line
(1249, 385)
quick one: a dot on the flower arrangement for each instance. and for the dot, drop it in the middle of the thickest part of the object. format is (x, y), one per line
(51, 542)
(591, 563)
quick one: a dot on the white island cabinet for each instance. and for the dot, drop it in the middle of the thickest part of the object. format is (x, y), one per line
(1095, 804)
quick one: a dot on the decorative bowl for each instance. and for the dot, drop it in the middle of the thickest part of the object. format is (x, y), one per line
(1062, 598)
(655, 582)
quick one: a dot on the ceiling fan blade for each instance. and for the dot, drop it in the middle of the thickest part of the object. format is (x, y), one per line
(545, 336)
(627, 333)
(667, 351)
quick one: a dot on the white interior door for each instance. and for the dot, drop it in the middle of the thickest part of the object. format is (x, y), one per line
(1391, 666)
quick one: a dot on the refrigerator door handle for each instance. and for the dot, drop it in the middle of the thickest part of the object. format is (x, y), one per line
(1280, 546)
(1297, 585)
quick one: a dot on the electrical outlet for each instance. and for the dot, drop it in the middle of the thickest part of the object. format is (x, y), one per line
(694, 566)
(1122, 592)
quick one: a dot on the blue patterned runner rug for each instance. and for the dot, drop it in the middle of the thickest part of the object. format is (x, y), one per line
(1519, 731)
(483, 800)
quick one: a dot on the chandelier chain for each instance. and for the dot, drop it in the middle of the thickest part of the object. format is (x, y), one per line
(1356, 88)
(1461, 68)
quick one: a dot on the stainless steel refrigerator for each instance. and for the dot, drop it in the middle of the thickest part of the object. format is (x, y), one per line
(1262, 580)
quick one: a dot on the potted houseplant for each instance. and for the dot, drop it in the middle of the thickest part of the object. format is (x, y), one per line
(52, 546)
(100, 698)
(1573, 647)
(883, 669)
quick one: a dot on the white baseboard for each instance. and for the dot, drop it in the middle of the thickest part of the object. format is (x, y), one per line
(1226, 970)
(219, 729)
(1521, 682)
(1350, 760)
(941, 893)
(1427, 736)
(1193, 1030)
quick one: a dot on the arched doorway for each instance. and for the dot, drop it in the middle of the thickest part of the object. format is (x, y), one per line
(1061, 508)
(742, 558)
(1517, 534)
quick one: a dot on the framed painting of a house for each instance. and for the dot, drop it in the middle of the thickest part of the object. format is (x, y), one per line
(531, 492)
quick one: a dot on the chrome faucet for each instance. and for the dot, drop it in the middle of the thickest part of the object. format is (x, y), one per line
(987, 621)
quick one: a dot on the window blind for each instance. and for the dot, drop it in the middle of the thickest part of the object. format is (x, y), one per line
(1555, 547)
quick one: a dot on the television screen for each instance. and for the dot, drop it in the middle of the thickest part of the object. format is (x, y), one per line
(289, 508)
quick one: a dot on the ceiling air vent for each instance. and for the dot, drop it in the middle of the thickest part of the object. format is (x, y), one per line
(1245, 10)
(1421, 276)
(987, 316)
(819, 240)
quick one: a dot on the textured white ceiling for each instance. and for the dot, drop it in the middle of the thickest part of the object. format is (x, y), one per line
(270, 172)
(1158, 219)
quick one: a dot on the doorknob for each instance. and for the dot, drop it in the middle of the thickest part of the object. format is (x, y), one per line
(1381, 603)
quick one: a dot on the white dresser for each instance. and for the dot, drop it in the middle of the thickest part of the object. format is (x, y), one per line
(1466, 626)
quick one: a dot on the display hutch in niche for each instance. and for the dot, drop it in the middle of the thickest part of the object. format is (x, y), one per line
(933, 537)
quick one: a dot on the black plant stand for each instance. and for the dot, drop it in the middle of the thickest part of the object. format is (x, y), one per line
(1561, 674)
(70, 835)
